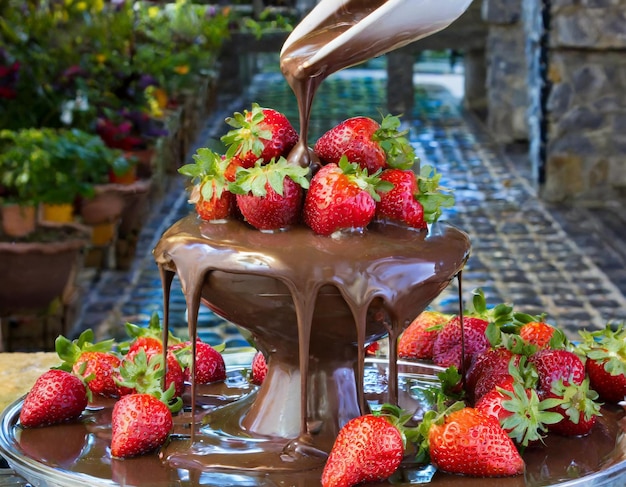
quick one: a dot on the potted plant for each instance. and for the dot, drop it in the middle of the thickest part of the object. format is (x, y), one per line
(38, 264)
(23, 163)
(54, 167)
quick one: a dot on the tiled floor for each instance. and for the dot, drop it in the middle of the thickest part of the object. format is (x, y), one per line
(567, 263)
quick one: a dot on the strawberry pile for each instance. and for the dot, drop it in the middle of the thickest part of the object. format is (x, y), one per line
(516, 380)
(363, 171)
(146, 393)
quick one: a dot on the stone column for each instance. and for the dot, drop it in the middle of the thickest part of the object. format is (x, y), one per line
(475, 80)
(586, 150)
(400, 90)
(507, 90)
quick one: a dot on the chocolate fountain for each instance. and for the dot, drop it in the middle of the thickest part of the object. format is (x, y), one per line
(314, 303)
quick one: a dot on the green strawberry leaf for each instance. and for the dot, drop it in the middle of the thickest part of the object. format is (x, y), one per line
(399, 151)
(359, 176)
(246, 135)
(253, 180)
(431, 196)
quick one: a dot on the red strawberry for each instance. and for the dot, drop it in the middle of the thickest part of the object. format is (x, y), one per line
(605, 352)
(102, 366)
(142, 372)
(554, 365)
(486, 369)
(417, 340)
(539, 334)
(208, 173)
(211, 203)
(93, 361)
(150, 337)
(261, 133)
(447, 344)
(578, 407)
(372, 348)
(151, 345)
(140, 424)
(609, 383)
(149, 341)
(367, 449)
(210, 366)
(412, 201)
(259, 369)
(56, 396)
(341, 197)
(270, 196)
(515, 404)
(491, 402)
(450, 341)
(364, 141)
(400, 203)
(469, 442)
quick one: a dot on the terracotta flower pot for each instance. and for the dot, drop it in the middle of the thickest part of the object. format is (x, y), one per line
(17, 220)
(36, 273)
(129, 177)
(106, 206)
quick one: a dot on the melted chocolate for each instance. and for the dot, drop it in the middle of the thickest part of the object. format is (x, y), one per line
(312, 303)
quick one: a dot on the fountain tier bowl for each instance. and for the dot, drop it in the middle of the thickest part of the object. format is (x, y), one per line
(274, 284)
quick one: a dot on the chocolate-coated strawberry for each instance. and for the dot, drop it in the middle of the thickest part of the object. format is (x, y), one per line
(56, 396)
(341, 198)
(259, 133)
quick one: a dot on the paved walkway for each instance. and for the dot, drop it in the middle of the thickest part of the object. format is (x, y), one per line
(567, 263)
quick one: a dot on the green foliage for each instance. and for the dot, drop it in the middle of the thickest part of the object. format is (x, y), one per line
(75, 58)
(53, 165)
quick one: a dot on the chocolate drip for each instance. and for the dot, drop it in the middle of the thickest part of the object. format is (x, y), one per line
(313, 303)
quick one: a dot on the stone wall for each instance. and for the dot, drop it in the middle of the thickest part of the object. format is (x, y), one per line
(570, 104)
(507, 68)
(586, 151)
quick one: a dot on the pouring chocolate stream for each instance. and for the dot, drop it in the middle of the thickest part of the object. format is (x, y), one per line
(338, 34)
